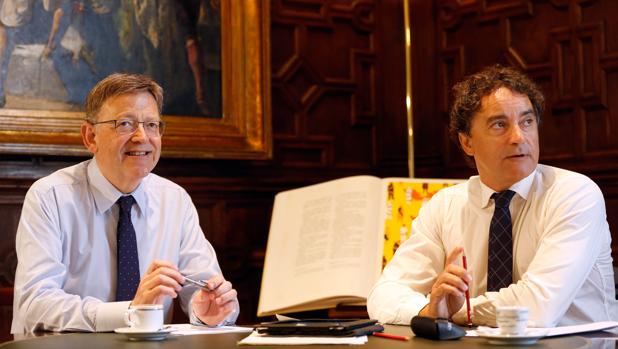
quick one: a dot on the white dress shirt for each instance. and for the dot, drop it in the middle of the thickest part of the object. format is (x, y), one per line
(66, 248)
(562, 264)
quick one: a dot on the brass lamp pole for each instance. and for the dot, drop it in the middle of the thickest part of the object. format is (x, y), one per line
(408, 48)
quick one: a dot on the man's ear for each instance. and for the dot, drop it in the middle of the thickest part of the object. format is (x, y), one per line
(88, 137)
(466, 143)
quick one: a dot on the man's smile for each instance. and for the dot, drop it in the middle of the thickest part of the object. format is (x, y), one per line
(137, 153)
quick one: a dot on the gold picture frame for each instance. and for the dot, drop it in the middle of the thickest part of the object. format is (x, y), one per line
(242, 132)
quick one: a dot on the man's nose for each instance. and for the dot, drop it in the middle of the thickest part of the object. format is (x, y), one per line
(515, 134)
(139, 135)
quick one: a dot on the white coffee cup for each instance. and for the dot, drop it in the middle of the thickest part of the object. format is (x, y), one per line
(144, 317)
(512, 320)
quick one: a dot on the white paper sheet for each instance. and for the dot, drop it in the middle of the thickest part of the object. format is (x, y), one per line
(188, 329)
(562, 330)
(260, 339)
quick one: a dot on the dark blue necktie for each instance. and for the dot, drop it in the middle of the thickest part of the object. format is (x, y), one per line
(127, 259)
(500, 254)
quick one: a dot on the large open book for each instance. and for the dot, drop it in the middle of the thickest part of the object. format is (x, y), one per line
(329, 242)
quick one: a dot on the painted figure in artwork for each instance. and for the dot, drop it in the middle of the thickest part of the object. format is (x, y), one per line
(52, 51)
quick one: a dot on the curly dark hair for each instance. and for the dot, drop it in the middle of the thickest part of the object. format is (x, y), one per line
(468, 93)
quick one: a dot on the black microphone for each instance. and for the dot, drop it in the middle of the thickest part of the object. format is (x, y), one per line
(436, 329)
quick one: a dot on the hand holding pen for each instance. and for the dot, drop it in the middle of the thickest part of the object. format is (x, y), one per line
(448, 291)
(212, 304)
(215, 301)
(162, 280)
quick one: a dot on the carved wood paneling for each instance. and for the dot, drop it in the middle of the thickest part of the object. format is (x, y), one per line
(6, 313)
(324, 79)
(10, 211)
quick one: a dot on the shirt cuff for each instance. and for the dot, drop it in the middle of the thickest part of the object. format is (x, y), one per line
(197, 322)
(110, 316)
(483, 312)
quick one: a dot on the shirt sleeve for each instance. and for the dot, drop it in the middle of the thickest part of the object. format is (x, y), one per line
(40, 302)
(401, 291)
(197, 260)
(571, 238)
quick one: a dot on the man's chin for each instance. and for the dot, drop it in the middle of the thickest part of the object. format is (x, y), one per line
(521, 172)
(139, 172)
(144, 171)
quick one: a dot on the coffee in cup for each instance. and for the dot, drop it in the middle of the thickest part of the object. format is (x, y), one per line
(144, 317)
(512, 320)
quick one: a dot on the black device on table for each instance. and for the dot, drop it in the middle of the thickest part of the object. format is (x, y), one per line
(320, 327)
(439, 329)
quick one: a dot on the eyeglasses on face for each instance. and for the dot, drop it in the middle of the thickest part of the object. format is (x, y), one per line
(129, 126)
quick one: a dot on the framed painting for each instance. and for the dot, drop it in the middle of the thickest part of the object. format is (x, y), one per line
(212, 57)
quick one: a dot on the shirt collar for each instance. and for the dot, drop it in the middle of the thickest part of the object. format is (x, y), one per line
(105, 194)
(522, 188)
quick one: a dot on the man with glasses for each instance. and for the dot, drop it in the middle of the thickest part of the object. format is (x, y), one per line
(105, 234)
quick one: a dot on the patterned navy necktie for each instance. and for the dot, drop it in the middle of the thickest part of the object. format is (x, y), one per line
(500, 254)
(127, 259)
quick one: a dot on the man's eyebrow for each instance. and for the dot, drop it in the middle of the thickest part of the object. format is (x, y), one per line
(526, 112)
(126, 115)
(495, 117)
(502, 116)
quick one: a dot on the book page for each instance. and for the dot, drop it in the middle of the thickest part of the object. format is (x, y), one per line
(402, 199)
(322, 243)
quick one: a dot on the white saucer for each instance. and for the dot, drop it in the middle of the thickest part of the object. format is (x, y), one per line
(139, 335)
(494, 336)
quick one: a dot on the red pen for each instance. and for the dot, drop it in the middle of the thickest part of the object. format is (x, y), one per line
(391, 336)
(465, 265)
